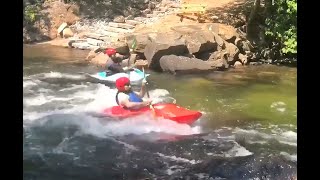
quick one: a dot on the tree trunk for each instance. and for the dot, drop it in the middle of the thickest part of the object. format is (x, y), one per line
(252, 25)
(268, 7)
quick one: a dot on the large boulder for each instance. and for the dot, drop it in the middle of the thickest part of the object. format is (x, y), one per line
(120, 46)
(92, 54)
(141, 41)
(185, 29)
(164, 44)
(227, 32)
(119, 19)
(233, 52)
(173, 64)
(220, 42)
(197, 40)
(67, 32)
(100, 59)
(56, 13)
(217, 55)
(220, 64)
(237, 64)
(49, 19)
(61, 42)
(243, 58)
(219, 59)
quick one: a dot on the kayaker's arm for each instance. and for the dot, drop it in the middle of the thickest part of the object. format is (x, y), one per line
(135, 105)
(130, 68)
(143, 89)
(130, 58)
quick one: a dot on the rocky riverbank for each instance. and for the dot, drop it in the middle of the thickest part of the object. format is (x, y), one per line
(166, 41)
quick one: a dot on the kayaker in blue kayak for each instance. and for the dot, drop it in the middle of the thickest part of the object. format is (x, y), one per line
(129, 99)
(114, 66)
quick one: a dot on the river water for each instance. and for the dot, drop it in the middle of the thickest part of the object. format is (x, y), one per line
(248, 129)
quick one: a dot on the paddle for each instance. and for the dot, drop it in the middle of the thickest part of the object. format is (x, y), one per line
(151, 107)
(131, 49)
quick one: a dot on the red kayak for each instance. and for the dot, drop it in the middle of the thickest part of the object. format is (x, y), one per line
(165, 110)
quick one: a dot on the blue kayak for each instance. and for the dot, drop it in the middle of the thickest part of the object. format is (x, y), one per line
(135, 76)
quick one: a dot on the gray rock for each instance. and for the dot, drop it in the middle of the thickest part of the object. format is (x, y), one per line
(173, 64)
(233, 52)
(237, 64)
(243, 58)
(119, 19)
(164, 44)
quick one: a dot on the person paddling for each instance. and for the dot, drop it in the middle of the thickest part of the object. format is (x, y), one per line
(129, 99)
(114, 66)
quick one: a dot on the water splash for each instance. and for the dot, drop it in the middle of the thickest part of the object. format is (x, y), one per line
(86, 99)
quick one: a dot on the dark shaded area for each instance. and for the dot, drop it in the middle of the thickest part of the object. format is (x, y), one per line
(155, 61)
(204, 55)
(237, 15)
(89, 157)
(241, 168)
(31, 28)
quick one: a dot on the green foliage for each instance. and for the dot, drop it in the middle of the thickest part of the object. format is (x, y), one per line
(282, 25)
(30, 13)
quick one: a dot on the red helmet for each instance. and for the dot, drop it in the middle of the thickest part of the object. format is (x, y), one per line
(110, 51)
(121, 82)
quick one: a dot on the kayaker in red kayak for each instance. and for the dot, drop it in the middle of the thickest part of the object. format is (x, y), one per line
(114, 66)
(129, 99)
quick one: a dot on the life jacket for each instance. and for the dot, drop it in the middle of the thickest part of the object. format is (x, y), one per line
(133, 97)
(115, 68)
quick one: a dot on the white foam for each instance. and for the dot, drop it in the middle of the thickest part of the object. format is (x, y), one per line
(59, 149)
(159, 92)
(102, 98)
(36, 101)
(281, 109)
(170, 171)
(93, 126)
(279, 106)
(179, 159)
(30, 82)
(238, 150)
(202, 175)
(288, 137)
(31, 116)
(289, 157)
(53, 74)
(82, 94)
(158, 95)
(62, 75)
(288, 143)
(42, 99)
(278, 103)
(73, 87)
(93, 98)
(42, 90)
(256, 142)
(146, 124)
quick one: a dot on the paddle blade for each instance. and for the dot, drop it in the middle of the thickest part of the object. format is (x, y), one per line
(134, 44)
(154, 114)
